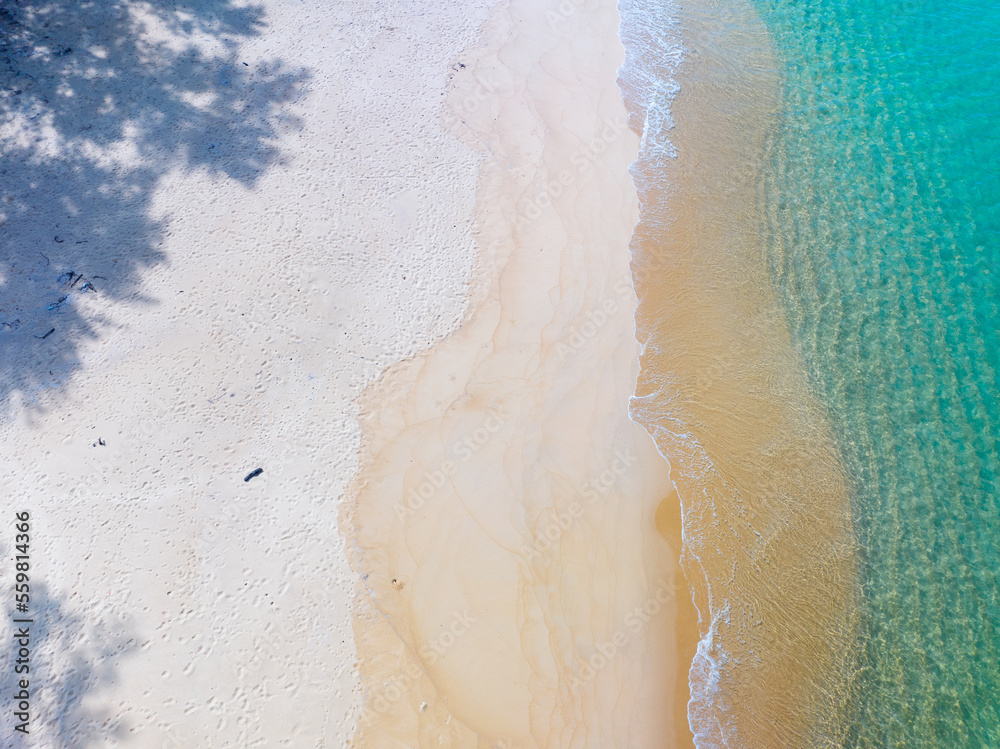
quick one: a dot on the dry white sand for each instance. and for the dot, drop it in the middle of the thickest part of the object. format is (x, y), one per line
(269, 211)
(264, 239)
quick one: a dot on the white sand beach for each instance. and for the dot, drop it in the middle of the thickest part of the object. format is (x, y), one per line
(222, 223)
(257, 293)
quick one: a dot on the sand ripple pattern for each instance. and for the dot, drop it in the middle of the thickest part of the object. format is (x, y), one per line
(883, 217)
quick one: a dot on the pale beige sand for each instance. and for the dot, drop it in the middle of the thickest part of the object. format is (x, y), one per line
(186, 607)
(515, 591)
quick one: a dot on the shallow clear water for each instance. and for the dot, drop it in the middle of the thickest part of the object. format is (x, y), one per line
(883, 220)
(768, 546)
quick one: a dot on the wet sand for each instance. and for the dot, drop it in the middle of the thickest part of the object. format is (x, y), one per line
(516, 591)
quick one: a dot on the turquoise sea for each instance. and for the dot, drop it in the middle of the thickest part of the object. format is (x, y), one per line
(882, 205)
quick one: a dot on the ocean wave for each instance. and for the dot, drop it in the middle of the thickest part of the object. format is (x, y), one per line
(767, 539)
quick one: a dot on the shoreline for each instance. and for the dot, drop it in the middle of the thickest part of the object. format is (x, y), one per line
(768, 541)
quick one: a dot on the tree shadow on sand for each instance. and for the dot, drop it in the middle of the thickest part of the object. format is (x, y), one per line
(98, 101)
(71, 659)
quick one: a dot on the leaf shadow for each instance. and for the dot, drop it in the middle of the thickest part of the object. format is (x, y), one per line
(99, 101)
(70, 660)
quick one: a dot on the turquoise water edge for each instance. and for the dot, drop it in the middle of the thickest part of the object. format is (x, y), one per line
(882, 216)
